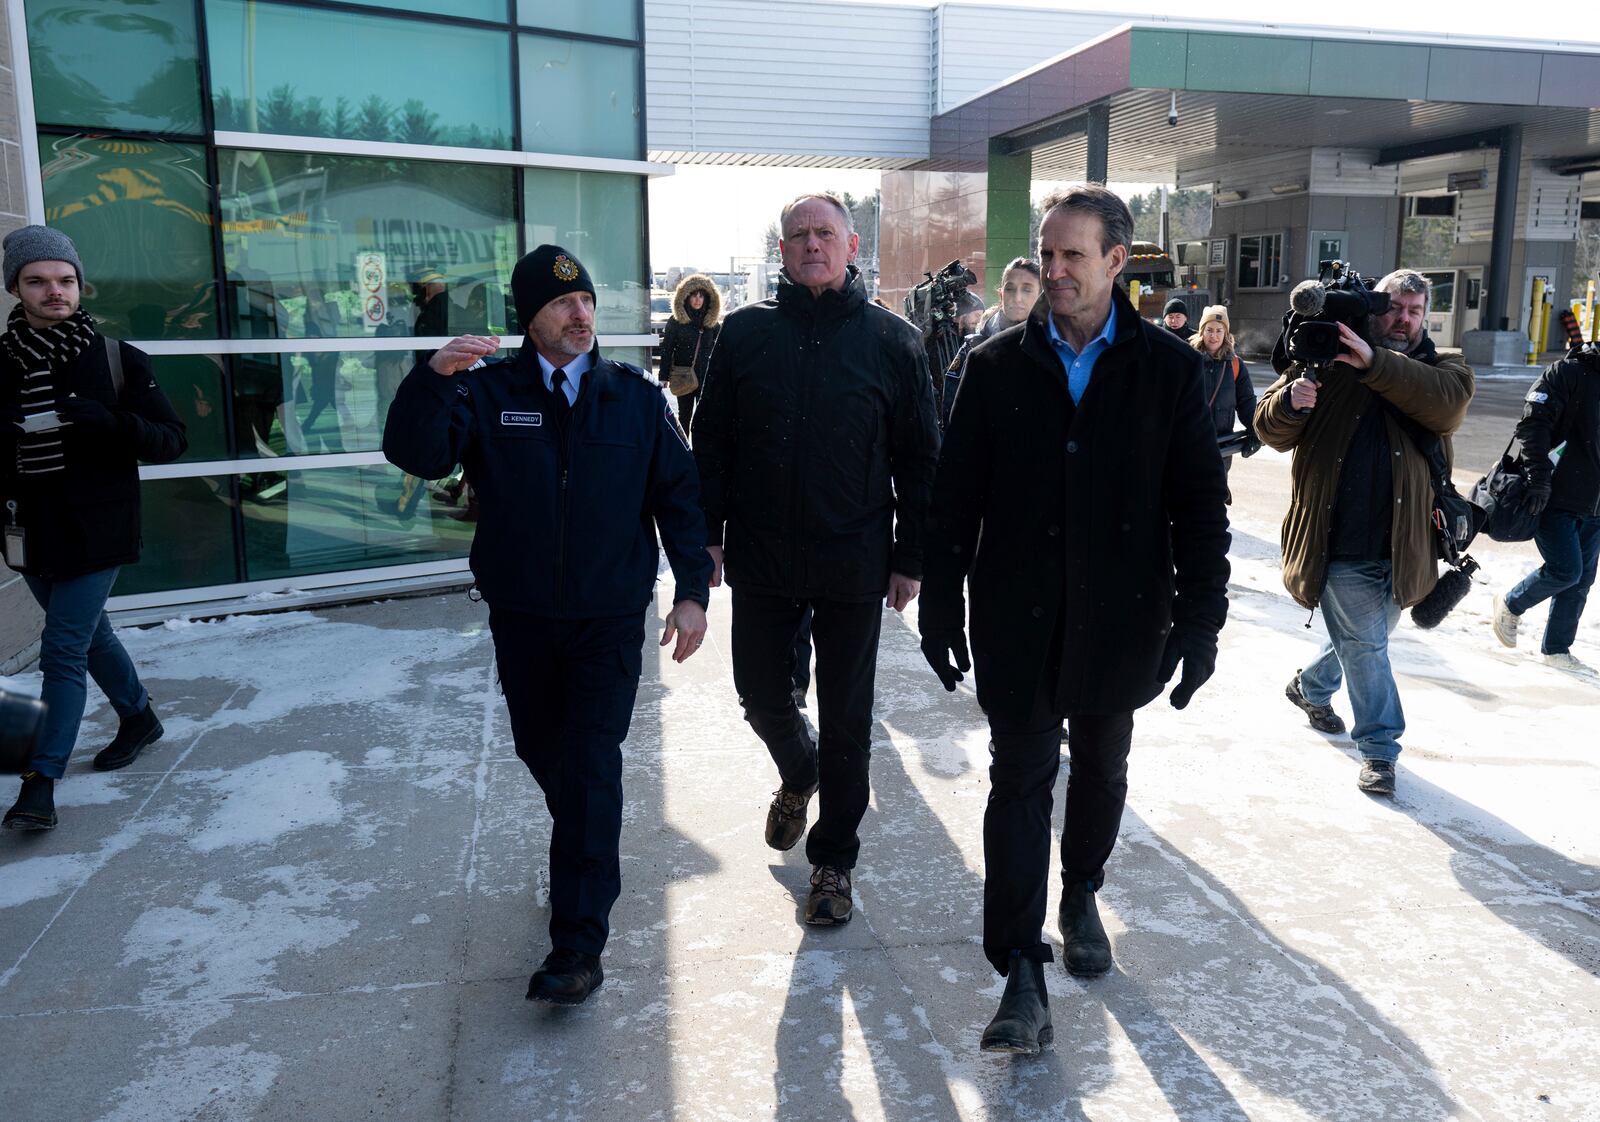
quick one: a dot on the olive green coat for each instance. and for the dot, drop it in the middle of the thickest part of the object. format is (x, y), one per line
(1435, 395)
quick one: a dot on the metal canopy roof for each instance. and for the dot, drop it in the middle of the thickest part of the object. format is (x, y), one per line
(1249, 94)
(1224, 127)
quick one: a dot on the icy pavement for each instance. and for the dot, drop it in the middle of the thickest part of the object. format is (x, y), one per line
(321, 895)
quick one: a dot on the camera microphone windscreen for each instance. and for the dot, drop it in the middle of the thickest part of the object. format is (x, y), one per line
(1308, 297)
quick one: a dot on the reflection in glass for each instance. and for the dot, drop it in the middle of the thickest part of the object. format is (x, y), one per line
(316, 402)
(347, 246)
(139, 211)
(333, 519)
(188, 536)
(472, 9)
(599, 216)
(580, 98)
(615, 19)
(410, 82)
(120, 64)
(193, 383)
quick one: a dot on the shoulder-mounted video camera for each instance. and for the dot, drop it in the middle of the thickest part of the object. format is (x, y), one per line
(937, 299)
(1310, 333)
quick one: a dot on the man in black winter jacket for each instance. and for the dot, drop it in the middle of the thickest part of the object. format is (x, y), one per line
(1080, 499)
(77, 414)
(1561, 417)
(578, 463)
(816, 441)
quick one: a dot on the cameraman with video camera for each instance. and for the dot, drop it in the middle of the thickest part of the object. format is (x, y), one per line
(1358, 538)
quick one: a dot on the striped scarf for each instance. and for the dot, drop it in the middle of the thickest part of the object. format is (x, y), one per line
(40, 356)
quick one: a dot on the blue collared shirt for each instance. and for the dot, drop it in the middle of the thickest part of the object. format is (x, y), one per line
(1079, 366)
(575, 369)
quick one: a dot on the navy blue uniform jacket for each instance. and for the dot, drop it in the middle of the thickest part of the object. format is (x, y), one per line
(567, 522)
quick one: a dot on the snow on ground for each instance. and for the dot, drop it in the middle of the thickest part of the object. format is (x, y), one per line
(321, 894)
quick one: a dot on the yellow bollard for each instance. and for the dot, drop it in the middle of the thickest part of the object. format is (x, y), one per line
(1588, 315)
(1135, 289)
(1544, 327)
(1535, 319)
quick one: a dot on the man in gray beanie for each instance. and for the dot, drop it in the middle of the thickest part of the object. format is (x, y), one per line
(78, 412)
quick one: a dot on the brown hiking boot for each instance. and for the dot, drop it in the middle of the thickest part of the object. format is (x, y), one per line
(786, 817)
(829, 902)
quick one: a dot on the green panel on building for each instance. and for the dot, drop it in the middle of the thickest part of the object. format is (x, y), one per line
(1248, 64)
(1158, 59)
(1388, 70)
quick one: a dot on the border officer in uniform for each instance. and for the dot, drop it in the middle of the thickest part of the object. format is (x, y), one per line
(578, 465)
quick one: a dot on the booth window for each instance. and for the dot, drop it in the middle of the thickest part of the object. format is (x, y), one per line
(1260, 261)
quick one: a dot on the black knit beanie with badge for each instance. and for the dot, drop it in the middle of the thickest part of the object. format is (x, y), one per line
(546, 274)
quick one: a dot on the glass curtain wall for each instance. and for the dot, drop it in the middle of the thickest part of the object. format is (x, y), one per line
(334, 262)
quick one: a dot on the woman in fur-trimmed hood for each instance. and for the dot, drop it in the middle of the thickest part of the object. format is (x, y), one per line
(691, 334)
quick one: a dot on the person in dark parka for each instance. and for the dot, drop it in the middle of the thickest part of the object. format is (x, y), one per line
(73, 427)
(1080, 499)
(1175, 314)
(578, 463)
(816, 442)
(691, 335)
(1562, 410)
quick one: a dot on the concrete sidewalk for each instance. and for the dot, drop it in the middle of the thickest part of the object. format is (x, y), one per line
(321, 896)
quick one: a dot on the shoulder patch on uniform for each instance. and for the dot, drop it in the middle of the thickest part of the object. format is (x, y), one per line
(1537, 397)
(632, 369)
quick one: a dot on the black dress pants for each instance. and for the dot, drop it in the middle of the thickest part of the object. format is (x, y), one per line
(1026, 755)
(846, 638)
(570, 687)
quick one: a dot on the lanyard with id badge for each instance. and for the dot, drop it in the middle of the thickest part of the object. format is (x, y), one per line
(16, 538)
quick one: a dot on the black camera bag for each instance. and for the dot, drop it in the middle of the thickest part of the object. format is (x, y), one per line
(1502, 493)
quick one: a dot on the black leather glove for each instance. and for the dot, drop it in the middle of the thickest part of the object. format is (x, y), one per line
(1196, 648)
(1536, 497)
(939, 647)
(87, 414)
(1252, 445)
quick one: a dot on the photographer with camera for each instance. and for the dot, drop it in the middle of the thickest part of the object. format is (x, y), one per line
(78, 412)
(1358, 537)
(1561, 417)
(816, 442)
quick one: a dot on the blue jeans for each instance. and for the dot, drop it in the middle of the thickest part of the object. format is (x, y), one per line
(1570, 546)
(1359, 610)
(77, 639)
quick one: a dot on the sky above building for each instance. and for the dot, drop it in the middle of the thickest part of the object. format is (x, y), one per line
(710, 217)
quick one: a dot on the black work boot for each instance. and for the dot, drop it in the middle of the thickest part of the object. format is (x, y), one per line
(1377, 777)
(1321, 717)
(133, 735)
(786, 817)
(1021, 1025)
(1088, 950)
(35, 808)
(829, 902)
(566, 978)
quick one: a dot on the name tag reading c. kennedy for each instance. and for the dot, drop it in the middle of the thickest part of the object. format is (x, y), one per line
(533, 420)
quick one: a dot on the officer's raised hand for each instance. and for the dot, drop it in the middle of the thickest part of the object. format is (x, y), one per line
(461, 352)
(687, 621)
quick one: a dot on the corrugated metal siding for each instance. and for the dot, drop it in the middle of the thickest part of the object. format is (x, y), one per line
(768, 78)
(1254, 176)
(1349, 171)
(1547, 204)
(1551, 206)
(976, 47)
